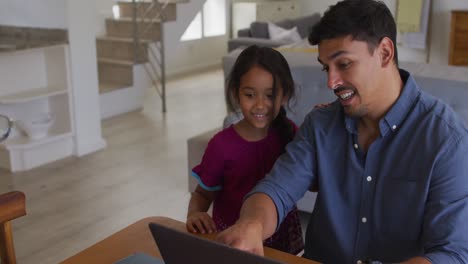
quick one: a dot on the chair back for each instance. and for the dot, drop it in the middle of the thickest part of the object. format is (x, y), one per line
(12, 206)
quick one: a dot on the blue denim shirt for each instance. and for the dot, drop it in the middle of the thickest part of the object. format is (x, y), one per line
(406, 197)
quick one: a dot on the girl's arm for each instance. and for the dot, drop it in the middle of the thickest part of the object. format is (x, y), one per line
(198, 220)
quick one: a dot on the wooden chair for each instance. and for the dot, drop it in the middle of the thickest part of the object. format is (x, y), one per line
(12, 206)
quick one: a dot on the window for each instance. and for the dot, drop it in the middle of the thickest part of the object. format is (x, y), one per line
(209, 22)
(194, 30)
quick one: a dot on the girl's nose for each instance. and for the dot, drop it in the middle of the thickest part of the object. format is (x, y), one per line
(260, 102)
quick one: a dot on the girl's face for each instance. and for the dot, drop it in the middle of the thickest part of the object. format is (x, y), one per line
(256, 98)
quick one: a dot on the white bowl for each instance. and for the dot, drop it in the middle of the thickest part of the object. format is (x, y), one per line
(37, 126)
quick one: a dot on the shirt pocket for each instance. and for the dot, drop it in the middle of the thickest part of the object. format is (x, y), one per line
(402, 209)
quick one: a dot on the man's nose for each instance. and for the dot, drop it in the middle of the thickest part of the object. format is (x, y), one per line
(334, 80)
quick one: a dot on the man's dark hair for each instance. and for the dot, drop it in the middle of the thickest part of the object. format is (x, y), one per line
(364, 20)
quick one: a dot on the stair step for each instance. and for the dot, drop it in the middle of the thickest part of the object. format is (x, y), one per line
(126, 10)
(123, 39)
(160, 1)
(121, 49)
(127, 63)
(116, 72)
(123, 28)
(106, 87)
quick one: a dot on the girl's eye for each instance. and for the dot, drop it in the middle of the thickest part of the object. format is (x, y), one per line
(249, 95)
(270, 96)
(325, 68)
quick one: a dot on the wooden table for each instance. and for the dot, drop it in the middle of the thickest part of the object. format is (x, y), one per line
(137, 238)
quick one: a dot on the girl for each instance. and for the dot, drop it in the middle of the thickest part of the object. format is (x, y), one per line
(236, 158)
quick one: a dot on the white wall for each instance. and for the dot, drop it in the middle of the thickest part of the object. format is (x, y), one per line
(40, 13)
(191, 55)
(439, 28)
(86, 116)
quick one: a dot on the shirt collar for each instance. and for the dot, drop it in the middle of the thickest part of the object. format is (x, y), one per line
(398, 112)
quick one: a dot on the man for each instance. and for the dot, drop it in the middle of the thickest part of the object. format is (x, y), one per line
(390, 161)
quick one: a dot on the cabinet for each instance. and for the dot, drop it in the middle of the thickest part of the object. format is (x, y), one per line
(458, 51)
(244, 13)
(36, 81)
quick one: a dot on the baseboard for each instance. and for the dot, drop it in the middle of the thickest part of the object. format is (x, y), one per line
(90, 148)
(192, 69)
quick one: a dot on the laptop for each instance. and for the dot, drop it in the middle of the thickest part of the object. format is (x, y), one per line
(180, 248)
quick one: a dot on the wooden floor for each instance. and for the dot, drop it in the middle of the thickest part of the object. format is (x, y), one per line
(76, 202)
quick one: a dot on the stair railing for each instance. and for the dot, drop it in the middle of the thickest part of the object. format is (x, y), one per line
(145, 18)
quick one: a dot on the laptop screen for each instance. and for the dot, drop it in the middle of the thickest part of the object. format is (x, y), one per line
(179, 248)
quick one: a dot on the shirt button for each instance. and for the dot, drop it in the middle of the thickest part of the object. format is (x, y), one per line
(369, 178)
(359, 262)
(364, 220)
(356, 146)
(394, 127)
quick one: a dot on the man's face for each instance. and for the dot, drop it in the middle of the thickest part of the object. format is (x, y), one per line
(353, 74)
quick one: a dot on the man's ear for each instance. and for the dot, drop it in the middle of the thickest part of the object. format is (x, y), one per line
(387, 51)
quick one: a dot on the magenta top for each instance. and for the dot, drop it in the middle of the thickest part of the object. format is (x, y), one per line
(233, 166)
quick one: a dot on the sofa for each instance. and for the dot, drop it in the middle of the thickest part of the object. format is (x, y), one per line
(449, 83)
(258, 33)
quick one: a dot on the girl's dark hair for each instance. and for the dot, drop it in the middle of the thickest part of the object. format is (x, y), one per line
(273, 62)
(364, 20)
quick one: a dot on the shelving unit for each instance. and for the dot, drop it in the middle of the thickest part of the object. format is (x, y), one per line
(31, 95)
(36, 81)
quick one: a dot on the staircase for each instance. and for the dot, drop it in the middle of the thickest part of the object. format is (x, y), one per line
(123, 49)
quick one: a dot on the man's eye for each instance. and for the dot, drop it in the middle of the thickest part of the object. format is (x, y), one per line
(325, 68)
(345, 65)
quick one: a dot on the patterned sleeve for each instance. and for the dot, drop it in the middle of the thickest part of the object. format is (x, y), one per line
(209, 173)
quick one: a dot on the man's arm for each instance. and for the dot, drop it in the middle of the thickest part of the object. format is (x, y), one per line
(257, 221)
(417, 260)
(445, 227)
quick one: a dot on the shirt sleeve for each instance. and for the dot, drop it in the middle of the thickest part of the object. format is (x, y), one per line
(445, 229)
(292, 173)
(209, 173)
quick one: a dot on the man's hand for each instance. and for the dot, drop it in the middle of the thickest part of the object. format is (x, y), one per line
(200, 222)
(244, 235)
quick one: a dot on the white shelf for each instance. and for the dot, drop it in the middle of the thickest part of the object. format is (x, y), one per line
(33, 94)
(24, 142)
(37, 81)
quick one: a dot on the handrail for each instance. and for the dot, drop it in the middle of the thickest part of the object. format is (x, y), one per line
(155, 67)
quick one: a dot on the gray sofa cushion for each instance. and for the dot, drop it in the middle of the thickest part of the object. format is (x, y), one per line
(243, 33)
(259, 30)
(287, 24)
(304, 24)
(245, 42)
